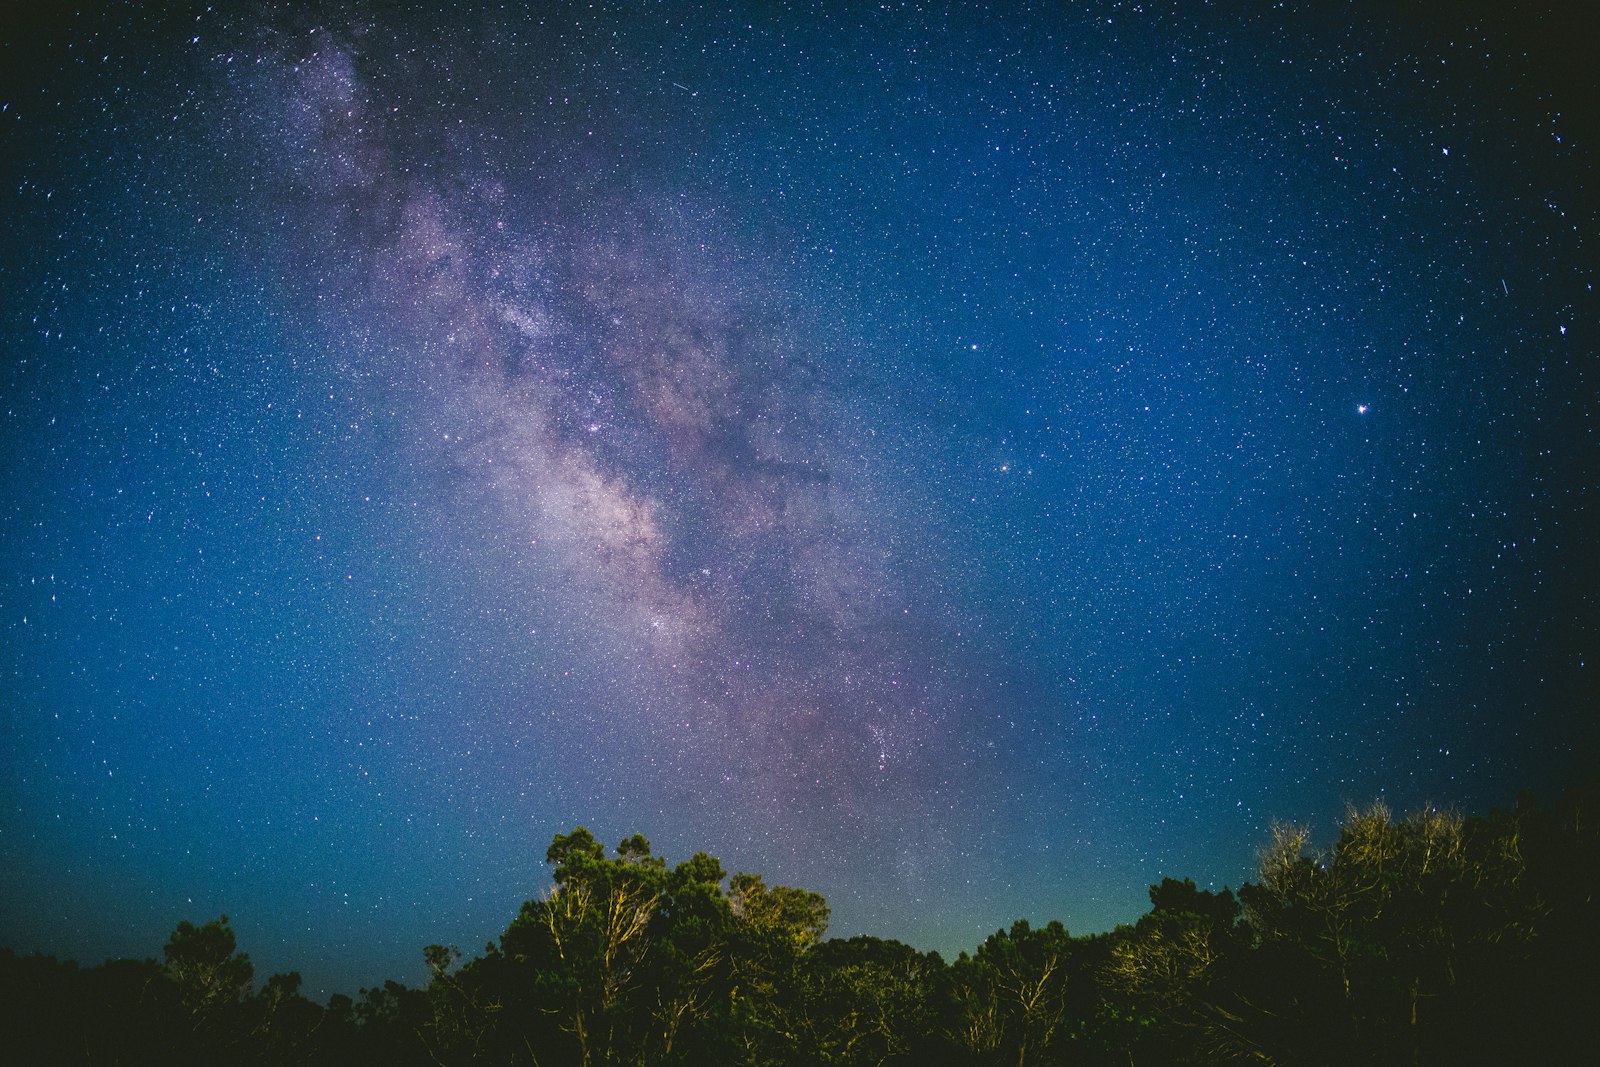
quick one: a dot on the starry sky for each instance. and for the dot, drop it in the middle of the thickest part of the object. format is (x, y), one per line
(969, 462)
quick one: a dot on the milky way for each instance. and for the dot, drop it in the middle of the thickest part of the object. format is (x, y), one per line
(971, 466)
(642, 427)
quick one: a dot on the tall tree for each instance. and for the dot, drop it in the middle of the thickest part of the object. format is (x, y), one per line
(1010, 998)
(865, 1001)
(203, 964)
(584, 944)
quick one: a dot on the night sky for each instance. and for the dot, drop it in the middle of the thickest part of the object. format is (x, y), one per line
(968, 463)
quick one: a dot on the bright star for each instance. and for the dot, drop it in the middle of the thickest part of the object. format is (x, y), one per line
(1361, 409)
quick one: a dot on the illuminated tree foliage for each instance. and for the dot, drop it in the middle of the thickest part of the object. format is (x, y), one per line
(1427, 939)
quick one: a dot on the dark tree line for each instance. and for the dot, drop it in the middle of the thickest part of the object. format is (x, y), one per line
(1431, 939)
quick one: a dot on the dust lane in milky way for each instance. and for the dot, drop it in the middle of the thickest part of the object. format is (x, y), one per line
(655, 444)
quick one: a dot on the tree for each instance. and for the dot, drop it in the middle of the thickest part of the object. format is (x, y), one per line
(1375, 946)
(284, 1021)
(689, 978)
(1010, 999)
(583, 945)
(773, 928)
(797, 917)
(461, 1021)
(390, 1020)
(574, 855)
(202, 963)
(1178, 969)
(866, 1001)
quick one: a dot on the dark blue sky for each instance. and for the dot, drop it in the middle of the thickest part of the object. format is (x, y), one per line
(969, 463)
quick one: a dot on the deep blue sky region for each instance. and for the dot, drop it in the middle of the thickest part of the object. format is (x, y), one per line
(969, 462)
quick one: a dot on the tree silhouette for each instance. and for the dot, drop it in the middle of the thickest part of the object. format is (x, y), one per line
(1432, 939)
(202, 963)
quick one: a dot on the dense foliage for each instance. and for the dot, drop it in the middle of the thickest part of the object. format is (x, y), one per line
(1431, 939)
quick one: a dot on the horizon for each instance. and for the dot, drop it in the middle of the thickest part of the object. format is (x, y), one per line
(1318, 844)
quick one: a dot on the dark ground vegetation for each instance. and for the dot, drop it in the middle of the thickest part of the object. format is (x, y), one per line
(1432, 939)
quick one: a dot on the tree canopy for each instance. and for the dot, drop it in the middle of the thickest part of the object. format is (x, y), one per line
(1427, 939)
